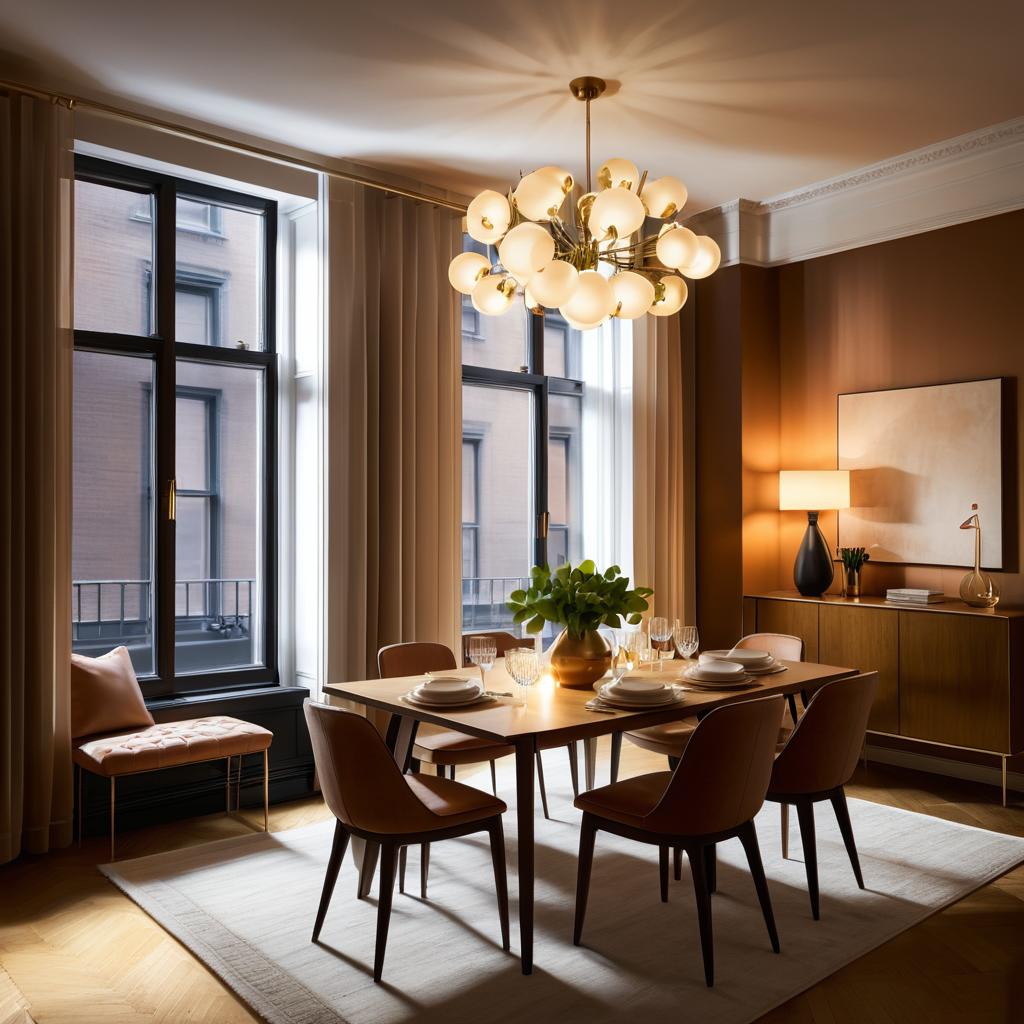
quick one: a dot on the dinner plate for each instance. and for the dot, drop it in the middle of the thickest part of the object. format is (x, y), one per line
(640, 687)
(724, 670)
(601, 701)
(774, 667)
(744, 657)
(732, 684)
(480, 698)
(669, 695)
(446, 690)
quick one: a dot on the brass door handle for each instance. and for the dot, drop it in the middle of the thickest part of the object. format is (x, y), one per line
(172, 499)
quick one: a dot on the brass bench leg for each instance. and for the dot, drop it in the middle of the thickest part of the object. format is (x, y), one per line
(266, 790)
(113, 780)
(1004, 780)
(238, 787)
(227, 787)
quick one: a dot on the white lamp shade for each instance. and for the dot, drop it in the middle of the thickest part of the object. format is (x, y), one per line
(492, 295)
(705, 261)
(664, 197)
(618, 173)
(674, 297)
(532, 304)
(554, 283)
(580, 325)
(592, 300)
(677, 246)
(488, 217)
(525, 249)
(466, 269)
(810, 490)
(633, 294)
(540, 194)
(559, 175)
(616, 212)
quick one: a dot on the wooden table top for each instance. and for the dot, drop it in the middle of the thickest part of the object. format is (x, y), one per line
(556, 716)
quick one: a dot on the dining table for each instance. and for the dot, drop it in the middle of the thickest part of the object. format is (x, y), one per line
(554, 716)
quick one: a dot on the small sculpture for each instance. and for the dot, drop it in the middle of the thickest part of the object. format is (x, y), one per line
(977, 588)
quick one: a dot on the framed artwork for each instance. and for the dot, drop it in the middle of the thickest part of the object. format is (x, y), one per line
(919, 457)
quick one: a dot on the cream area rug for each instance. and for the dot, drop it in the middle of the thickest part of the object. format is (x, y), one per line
(246, 907)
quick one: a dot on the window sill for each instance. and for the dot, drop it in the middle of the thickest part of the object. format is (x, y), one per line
(217, 703)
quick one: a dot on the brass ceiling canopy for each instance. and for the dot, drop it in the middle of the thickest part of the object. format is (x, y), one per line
(587, 88)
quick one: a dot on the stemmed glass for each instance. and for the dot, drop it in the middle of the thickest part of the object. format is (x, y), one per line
(623, 661)
(524, 667)
(685, 638)
(661, 634)
(482, 652)
(639, 645)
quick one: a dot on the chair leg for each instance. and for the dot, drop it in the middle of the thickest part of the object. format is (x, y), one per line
(791, 700)
(805, 815)
(338, 848)
(784, 811)
(440, 771)
(424, 869)
(677, 862)
(266, 790)
(574, 768)
(388, 859)
(748, 837)
(371, 851)
(451, 773)
(711, 865)
(663, 872)
(588, 832)
(673, 763)
(497, 834)
(846, 829)
(78, 787)
(543, 790)
(494, 778)
(401, 868)
(616, 755)
(414, 765)
(698, 870)
(113, 780)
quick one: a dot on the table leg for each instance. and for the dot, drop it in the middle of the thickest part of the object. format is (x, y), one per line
(525, 751)
(590, 762)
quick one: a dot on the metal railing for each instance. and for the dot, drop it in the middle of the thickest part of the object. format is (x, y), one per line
(485, 601)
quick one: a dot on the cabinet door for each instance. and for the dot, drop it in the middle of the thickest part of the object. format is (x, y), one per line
(866, 639)
(795, 618)
(954, 682)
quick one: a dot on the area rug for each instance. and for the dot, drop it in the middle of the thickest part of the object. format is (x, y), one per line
(246, 906)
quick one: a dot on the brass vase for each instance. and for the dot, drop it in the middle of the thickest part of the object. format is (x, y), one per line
(977, 588)
(578, 662)
(852, 584)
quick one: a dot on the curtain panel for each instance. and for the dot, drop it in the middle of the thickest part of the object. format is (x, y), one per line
(36, 347)
(394, 427)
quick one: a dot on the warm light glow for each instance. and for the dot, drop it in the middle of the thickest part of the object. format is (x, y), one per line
(554, 283)
(618, 173)
(525, 249)
(633, 293)
(706, 261)
(488, 217)
(616, 212)
(677, 246)
(492, 295)
(810, 490)
(540, 194)
(592, 300)
(664, 197)
(674, 297)
(466, 269)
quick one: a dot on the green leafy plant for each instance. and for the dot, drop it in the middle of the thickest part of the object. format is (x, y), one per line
(580, 599)
(853, 558)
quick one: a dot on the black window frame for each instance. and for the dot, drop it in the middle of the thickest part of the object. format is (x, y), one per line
(161, 347)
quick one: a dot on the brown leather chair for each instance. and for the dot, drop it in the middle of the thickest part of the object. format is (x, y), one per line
(670, 739)
(713, 795)
(817, 762)
(371, 798)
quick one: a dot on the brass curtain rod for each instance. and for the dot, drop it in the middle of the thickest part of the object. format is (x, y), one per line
(197, 134)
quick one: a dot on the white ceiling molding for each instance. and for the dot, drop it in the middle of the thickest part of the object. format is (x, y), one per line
(972, 176)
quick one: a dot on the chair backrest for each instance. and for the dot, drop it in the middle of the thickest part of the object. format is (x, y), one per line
(413, 659)
(723, 774)
(358, 776)
(502, 641)
(778, 645)
(821, 752)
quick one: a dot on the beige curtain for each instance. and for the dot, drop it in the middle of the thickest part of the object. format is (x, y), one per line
(36, 190)
(394, 432)
(662, 518)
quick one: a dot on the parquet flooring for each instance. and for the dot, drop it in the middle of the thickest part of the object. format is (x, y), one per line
(79, 952)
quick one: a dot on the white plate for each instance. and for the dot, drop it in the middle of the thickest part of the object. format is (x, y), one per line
(448, 689)
(480, 698)
(640, 686)
(774, 667)
(668, 695)
(718, 669)
(747, 658)
(601, 701)
(732, 684)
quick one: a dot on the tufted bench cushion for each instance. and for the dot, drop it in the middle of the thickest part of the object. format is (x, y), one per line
(169, 744)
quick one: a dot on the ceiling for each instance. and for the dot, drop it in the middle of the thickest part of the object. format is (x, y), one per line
(737, 98)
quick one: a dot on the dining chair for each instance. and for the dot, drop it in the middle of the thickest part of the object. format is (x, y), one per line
(371, 798)
(713, 794)
(816, 763)
(670, 739)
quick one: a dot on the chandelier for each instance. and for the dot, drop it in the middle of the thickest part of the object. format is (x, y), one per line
(590, 260)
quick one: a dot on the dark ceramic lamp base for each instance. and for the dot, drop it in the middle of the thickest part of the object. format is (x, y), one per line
(813, 572)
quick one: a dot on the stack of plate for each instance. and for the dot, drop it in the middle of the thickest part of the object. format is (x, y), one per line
(717, 675)
(638, 692)
(445, 691)
(755, 662)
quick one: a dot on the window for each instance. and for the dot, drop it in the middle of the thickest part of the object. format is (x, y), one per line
(470, 506)
(174, 428)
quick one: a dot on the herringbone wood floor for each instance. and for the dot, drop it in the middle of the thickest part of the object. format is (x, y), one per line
(80, 951)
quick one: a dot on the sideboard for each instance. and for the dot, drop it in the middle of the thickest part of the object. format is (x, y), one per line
(948, 673)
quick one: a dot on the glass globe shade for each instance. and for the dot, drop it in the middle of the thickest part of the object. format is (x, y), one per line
(633, 294)
(492, 295)
(677, 246)
(532, 304)
(579, 325)
(673, 299)
(488, 217)
(705, 261)
(525, 249)
(616, 211)
(466, 269)
(559, 175)
(664, 197)
(592, 300)
(554, 283)
(617, 172)
(539, 196)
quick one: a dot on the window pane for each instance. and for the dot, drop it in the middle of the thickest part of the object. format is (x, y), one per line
(112, 556)
(114, 259)
(497, 342)
(561, 347)
(564, 479)
(497, 424)
(219, 592)
(219, 275)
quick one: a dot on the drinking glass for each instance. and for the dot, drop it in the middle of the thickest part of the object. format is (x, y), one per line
(524, 667)
(661, 635)
(639, 643)
(686, 639)
(623, 661)
(482, 652)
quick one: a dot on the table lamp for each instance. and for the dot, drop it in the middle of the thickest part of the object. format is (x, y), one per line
(811, 491)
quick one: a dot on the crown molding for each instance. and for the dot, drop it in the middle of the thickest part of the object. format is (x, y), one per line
(976, 175)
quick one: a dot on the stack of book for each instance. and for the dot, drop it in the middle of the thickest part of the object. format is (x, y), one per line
(914, 596)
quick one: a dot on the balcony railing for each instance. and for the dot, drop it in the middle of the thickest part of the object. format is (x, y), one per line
(485, 601)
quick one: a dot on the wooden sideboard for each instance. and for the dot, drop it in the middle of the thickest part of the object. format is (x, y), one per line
(948, 673)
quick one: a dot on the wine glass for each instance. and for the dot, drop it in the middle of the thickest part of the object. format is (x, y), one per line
(686, 639)
(482, 652)
(639, 644)
(661, 634)
(524, 667)
(623, 661)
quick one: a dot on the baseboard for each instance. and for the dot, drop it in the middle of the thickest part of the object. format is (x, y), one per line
(947, 766)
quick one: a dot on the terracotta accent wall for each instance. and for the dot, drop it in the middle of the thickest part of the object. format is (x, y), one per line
(929, 309)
